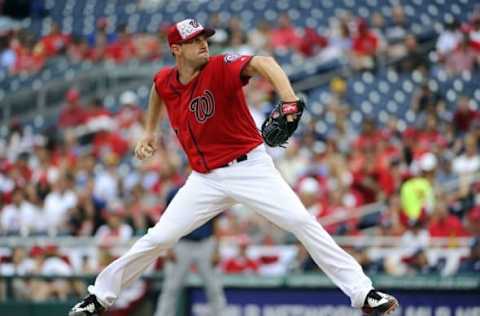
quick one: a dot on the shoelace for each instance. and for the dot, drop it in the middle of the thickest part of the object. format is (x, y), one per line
(374, 299)
(90, 307)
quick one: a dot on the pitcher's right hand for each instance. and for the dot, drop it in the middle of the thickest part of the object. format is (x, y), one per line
(146, 147)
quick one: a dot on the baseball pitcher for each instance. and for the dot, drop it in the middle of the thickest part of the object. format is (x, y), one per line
(206, 107)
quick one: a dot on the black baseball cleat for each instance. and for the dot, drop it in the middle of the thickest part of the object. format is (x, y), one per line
(89, 306)
(378, 303)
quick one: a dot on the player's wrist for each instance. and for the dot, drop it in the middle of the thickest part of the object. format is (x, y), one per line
(149, 134)
(290, 98)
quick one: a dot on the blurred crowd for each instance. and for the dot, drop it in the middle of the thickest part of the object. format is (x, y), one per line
(362, 43)
(77, 177)
(21, 52)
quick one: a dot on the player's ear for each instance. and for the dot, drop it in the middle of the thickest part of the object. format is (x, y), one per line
(175, 49)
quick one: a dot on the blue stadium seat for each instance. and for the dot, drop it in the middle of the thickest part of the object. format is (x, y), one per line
(382, 116)
(374, 97)
(356, 117)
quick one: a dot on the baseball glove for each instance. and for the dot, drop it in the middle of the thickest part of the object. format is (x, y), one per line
(277, 129)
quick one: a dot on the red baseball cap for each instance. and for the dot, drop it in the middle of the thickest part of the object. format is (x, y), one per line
(186, 30)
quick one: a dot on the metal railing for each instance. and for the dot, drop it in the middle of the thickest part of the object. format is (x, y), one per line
(308, 279)
(92, 80)
(367, 241)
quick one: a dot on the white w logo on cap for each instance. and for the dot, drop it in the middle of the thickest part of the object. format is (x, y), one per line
(188, 27)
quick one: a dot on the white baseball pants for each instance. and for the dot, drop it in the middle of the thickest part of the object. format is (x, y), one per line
(257, 184)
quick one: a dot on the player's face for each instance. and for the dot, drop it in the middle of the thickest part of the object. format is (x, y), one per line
(195, 50)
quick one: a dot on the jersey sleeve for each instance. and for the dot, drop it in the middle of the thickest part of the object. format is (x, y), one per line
(233, 65)
(160, 81)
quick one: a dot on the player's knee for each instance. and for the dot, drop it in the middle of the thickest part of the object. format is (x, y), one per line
(300, 222)
(163, 238)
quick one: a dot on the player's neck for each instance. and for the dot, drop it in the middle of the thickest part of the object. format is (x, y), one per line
(187, 72)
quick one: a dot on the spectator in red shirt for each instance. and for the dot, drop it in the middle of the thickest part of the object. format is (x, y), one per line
(55, 42)
(365, 178)
(285, 35)
(429, 138)
(312, 42)
(78, 49)
(390, 177)
(73, 114)
(147, 46)
(106, 141)
(29, 58)
(364, 47)
(463, 116)
(123, 48)
(444, 224)
(22, 173)
(241, 262)
(335, 215)
(370, 135)
(365, 42)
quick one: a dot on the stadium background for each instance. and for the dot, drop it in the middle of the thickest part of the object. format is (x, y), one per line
(387, 155)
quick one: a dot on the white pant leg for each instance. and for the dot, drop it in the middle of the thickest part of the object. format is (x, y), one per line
(257, 183)
(174, 277)
(211, 280)
(195, 203)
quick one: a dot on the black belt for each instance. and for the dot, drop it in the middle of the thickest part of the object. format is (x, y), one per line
(239, 159)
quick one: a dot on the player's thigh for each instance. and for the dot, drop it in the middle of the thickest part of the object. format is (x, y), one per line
(264, 189)
(193, 205)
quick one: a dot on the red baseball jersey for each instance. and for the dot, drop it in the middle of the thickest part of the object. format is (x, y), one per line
(209, 114)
